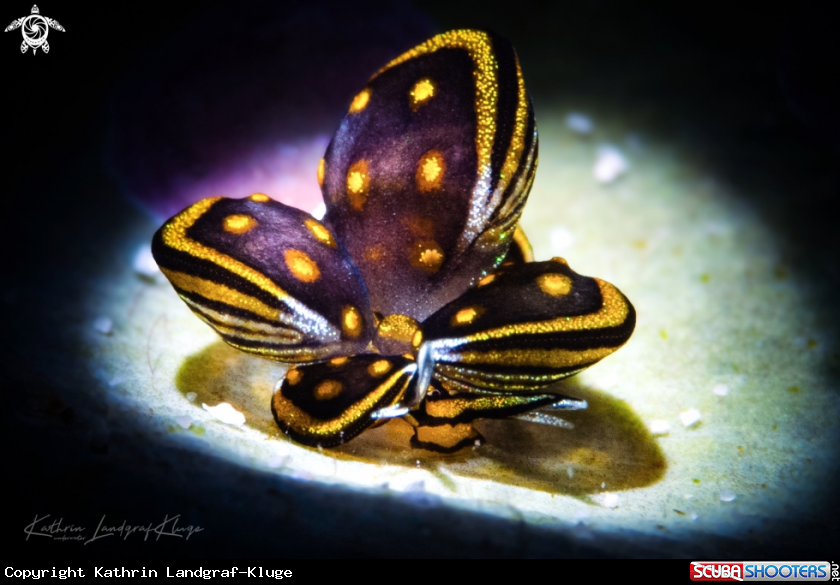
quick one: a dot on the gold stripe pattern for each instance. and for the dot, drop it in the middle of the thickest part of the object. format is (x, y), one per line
(218, 320)
(453, 407)
(218, 292)
(517, 139)
(297, 355)
(545, 358)
(457, 378)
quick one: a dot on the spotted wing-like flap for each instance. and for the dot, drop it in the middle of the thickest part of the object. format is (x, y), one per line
(525, 327)
(329, 403)
(269, 278)
(426, 177)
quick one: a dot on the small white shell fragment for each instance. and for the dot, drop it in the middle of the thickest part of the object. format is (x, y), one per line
(608, 500)
(727, 496)
(660, 427)
(690, 417)
(191, 396)
(561, 240)
(320, 211)
(610, 164)
(183, 421)
(103, 325)
(721, 390)
(144, 263)
(570, 471)
(225, 413)
(579, 123)
(603, 485)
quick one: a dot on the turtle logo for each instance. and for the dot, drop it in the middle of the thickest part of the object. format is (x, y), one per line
(35, 29)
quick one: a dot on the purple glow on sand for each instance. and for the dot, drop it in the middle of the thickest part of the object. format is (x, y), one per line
(286, 173)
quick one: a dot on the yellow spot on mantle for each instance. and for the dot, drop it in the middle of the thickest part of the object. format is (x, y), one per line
(259, 197)
(239, 224)
(321, 233)
(398, 327)
(427, 256)
(379, 368)
(294, 376)
(358, 183)
(466, 316)
(302, 266)
(360, 101)
(421, 93)
(338, 361)
(327, 390)
(321, 167)
(430, 171)
(375, 253)
(554, 284)
(351, 321)
(487, 280)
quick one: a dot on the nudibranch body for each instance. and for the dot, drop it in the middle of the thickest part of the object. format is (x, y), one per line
(417, 295)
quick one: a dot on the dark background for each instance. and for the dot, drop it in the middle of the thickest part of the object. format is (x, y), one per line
(753, 89)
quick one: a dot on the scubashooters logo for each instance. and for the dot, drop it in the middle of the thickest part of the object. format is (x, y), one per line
(199, 573)
(35, 29)
(760, 571)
